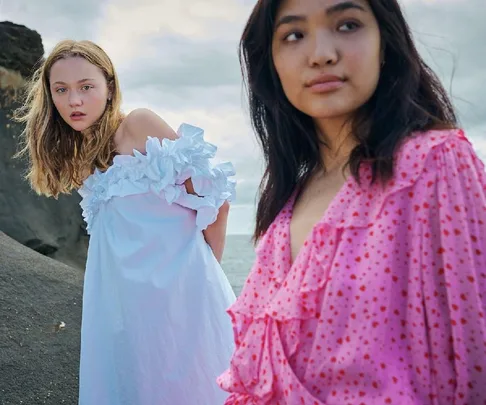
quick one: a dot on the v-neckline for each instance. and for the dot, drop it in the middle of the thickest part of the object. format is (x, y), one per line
(322, 219)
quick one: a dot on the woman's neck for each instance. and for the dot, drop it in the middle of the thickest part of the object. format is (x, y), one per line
(336, 142)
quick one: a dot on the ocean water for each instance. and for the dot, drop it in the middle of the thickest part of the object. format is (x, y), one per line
(238, 258)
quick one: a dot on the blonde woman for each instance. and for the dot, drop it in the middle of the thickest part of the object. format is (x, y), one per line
(154, 326)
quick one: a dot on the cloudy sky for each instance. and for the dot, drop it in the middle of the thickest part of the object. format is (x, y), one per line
(179, 58)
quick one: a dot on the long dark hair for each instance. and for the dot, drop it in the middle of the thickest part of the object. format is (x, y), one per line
(409, 97)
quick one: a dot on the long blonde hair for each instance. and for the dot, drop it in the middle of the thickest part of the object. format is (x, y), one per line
(60, 158)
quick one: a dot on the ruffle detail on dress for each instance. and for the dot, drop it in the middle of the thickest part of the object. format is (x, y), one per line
(163, 170)
(368, 201)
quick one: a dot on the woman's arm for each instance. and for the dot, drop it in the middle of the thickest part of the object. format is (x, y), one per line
(451, 223)
(215, 234)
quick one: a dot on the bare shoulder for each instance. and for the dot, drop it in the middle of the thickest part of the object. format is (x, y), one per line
(137, 126)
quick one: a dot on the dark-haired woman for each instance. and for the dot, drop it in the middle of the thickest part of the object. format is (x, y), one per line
(369, 285)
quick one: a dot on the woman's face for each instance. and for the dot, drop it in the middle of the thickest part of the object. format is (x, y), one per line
(79, 91)
(327, 54)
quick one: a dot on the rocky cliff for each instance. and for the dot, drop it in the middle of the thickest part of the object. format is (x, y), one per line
(40, 298)
(53, 228)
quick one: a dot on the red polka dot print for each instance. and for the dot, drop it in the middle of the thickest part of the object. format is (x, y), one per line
(386, 301)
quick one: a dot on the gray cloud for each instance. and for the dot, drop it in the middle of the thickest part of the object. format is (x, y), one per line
(211, 99)
(250, 170)
(206, 64)
(450, 37)
(55, 19)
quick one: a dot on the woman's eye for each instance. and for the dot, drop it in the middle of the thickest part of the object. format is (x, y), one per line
(293, 36)
(348, 26)
(60, 90)
(86, 87)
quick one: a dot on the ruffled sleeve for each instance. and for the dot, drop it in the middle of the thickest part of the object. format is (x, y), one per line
(452, 226)
(212, 184)
(162, 170)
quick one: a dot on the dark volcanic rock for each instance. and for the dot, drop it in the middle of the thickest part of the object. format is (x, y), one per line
(40, 298)
(53, 228)
(21, 48)
(39, 360)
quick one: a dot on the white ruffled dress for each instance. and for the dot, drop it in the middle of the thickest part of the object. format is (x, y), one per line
(154, 329)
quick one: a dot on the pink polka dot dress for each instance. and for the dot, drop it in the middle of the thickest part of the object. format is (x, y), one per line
(384, 304)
